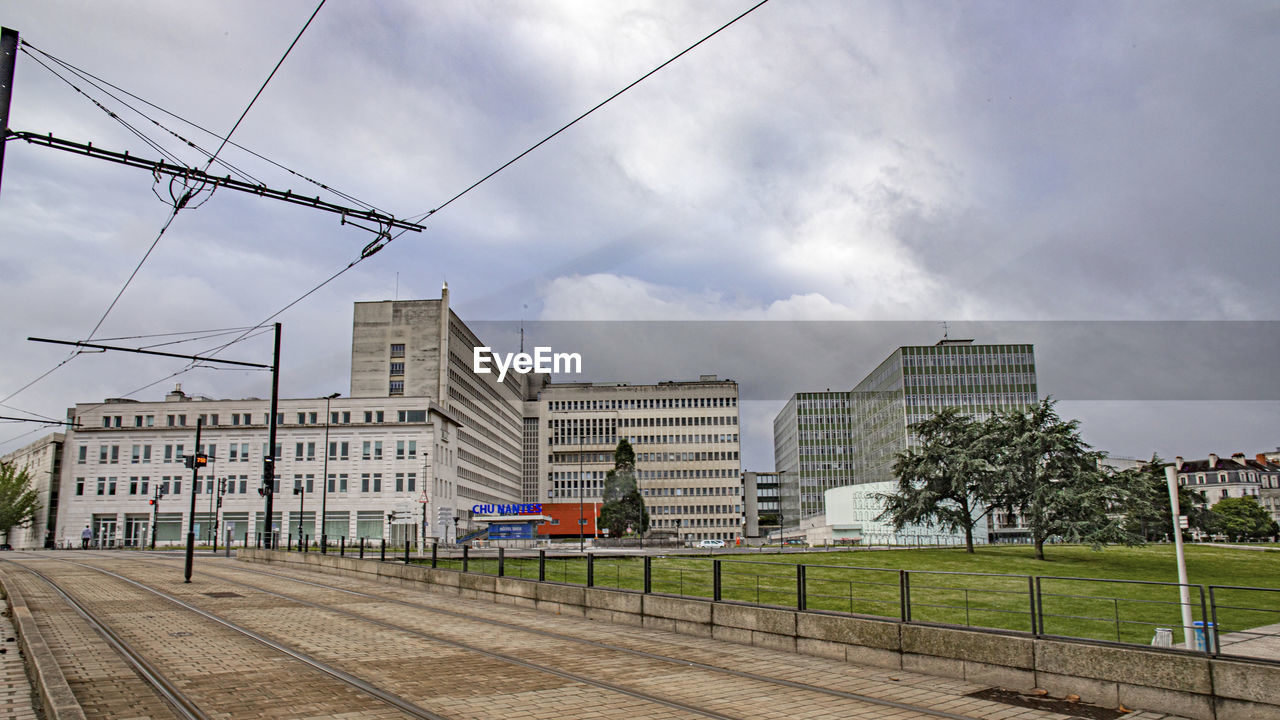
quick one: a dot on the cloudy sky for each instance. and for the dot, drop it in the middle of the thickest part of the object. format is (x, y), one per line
(859, 162)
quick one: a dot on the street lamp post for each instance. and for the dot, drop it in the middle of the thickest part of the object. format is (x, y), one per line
(222, 488)
(155, 513)
(301, 490)
(324, 480)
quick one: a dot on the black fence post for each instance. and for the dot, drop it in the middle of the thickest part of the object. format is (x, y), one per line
(1210, 627)
(715, 580)
(382, 551)
(648, 574)
(1040, 607)
(1213, 608)
(466, 557)
(591, 569)
(342, 546)
(362, 548)
(406, 550)
(435, 554)
(904, 595)
(801, 593)
(542, 566)
(502, 561)
(324, 544)
(1031, 597)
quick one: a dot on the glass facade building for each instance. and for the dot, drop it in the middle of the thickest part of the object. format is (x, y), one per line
(835, 438)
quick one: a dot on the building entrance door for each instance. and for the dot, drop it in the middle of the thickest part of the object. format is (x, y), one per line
(135, 531)
(104, 532)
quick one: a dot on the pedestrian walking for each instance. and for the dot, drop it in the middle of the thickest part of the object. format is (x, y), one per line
(85, 536)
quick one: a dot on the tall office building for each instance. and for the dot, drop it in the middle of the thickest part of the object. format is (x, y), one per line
(421, 348)
(685, 436)
(836, 438)
(42, 461)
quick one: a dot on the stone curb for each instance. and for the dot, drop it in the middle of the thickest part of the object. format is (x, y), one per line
(55, 694)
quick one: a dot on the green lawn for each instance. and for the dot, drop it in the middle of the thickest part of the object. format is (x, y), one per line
(986, 589)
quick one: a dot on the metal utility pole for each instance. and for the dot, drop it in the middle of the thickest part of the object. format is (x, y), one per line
(269, 460)
(8, 58)
(1184, 592)
(196, 461)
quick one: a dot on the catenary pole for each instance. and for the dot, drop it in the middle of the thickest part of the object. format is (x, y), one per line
(191, 517)
(8, 60)
(268, 459)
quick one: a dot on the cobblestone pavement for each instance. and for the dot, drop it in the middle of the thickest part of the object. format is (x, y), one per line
(16, 700)
(457, 658)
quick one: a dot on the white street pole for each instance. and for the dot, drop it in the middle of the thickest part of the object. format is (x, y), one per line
(1184, 592)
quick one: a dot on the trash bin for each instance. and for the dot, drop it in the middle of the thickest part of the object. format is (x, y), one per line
(1200, 639)
(1163, 638)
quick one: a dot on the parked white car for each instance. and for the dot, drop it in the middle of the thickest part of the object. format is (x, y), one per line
(711, 544)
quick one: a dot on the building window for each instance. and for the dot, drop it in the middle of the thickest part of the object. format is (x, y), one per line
(397, 350)
(397, 368)
(396, 387)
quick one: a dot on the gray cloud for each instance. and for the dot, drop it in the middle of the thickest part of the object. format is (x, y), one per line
(819, 160)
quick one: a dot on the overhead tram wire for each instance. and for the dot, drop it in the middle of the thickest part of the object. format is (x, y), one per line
(26, 49)
(471, 187)
(422, 216)
(99, 82)
(177, 205)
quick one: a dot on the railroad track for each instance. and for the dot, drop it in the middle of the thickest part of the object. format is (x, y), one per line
(860, 705)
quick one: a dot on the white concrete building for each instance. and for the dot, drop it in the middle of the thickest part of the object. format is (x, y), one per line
(42, 460)
(853, 512)
(685, 435)
(382, 455)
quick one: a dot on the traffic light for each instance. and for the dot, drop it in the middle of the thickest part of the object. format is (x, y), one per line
(151, 502)
(202, 460)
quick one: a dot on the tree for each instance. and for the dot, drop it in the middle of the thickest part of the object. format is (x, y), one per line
(623, 506)
(1148, 513)
(1242, 517)
(946, 479)
(19, 504)
(1050, 477)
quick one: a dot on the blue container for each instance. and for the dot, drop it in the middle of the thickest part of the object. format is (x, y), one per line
(1199, 626)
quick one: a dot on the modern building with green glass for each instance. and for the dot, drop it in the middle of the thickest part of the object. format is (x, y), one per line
(835, 438)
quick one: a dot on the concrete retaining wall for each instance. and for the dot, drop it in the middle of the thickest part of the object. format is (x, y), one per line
(1192, 686)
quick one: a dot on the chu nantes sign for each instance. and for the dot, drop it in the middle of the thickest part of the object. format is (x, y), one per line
(543, 360)
(525, 509)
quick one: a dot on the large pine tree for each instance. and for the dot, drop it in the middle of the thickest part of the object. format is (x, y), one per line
(623, 510)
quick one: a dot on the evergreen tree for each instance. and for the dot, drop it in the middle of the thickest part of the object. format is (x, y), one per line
(18, 502)
(623, 506)
(946, 479)
(1050, 477)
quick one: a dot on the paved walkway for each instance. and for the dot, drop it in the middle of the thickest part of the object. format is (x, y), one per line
(16, 701)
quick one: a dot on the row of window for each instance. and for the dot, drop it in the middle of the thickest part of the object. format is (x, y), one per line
(239, 452)
(1222, 477)
(232, 485)
(306, 417)
(641, 404)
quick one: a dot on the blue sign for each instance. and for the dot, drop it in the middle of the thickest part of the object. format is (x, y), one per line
(524, 509)
(511, 531)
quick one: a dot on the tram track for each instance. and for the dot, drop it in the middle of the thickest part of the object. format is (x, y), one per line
(184, 704)
(682, 663)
